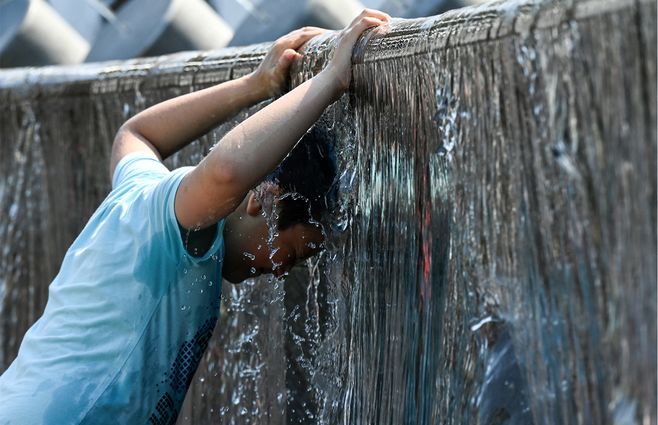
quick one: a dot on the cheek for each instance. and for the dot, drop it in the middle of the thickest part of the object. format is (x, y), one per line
(281, 257)
(263, 259)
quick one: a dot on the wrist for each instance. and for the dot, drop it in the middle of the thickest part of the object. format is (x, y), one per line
(337, 82)
(257, 85)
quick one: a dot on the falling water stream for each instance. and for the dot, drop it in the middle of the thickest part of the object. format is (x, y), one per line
(491, 260)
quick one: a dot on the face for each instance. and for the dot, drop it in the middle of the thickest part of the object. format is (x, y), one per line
(248, 253)
(289, 247)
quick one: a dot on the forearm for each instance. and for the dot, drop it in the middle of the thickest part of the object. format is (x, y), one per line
(255, 147)
(171, 125)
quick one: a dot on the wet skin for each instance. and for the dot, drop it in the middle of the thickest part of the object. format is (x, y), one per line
(248, 253)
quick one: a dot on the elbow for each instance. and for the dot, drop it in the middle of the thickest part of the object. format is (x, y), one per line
(128, 127)
(119, 138)
(123, 136)
(128, 139)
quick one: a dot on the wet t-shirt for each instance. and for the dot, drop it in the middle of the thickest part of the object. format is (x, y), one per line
(128, 316)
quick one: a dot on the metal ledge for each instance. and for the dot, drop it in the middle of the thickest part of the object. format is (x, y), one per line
(404, 37)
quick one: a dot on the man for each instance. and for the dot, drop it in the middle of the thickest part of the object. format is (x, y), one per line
(130, 313)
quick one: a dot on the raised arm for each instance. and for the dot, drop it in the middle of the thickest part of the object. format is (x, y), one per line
(255, 147)
(167, 127)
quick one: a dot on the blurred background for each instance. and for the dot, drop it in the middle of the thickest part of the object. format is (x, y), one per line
(58, 32)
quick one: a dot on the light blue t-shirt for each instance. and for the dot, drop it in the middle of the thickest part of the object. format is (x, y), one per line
(128, 316)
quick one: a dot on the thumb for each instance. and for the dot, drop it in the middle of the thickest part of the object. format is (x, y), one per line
(289, 55)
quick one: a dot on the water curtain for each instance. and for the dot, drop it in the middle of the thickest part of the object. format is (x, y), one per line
(491, 260)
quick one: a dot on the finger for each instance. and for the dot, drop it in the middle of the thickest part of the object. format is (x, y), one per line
(290, 54)
(375, 14)
(306, 29)
(313, 29)
(362, 25)
(301, 31)
(297, 40)
(368, 22)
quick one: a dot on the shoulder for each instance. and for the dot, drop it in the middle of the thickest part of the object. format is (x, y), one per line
(138, 165)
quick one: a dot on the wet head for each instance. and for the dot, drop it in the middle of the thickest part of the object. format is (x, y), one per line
(278, 225)
(292, 246)
(256, 243)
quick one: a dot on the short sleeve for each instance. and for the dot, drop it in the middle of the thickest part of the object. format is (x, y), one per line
(138, 166)
(162, 206)
(146, 189)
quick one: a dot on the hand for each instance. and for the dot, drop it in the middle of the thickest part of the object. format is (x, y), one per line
(341, 63)
(273, 70)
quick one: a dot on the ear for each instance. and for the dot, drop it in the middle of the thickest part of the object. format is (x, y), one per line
(254, 206)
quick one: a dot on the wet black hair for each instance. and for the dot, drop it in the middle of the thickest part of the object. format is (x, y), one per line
(306, 179)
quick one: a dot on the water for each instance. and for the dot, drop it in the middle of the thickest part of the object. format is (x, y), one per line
(492, 259)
